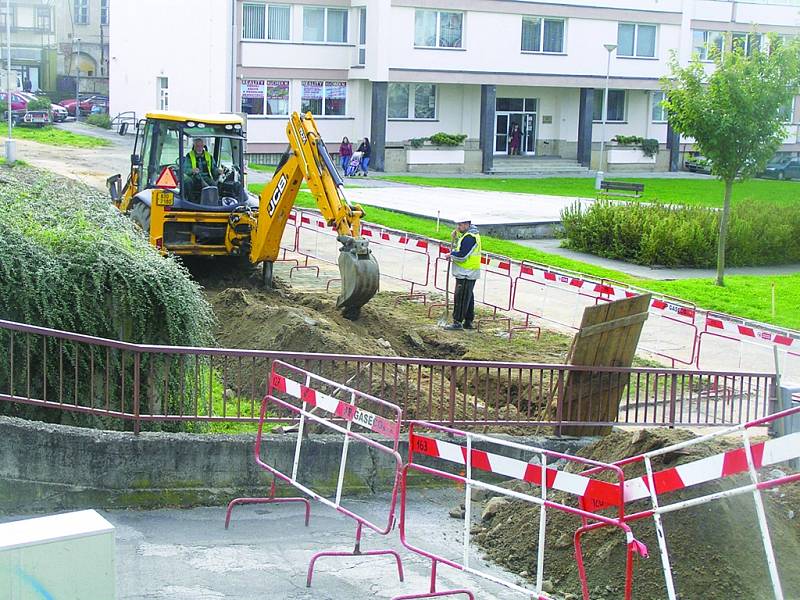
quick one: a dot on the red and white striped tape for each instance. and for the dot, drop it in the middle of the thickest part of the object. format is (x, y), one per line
(716, 322)
(570, 483)
(733, 462)
(671, 309)
(343, 410)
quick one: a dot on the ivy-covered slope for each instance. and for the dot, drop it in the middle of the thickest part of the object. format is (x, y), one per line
(69, 260)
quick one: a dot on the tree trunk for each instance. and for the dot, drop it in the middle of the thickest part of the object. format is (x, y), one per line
(723, 232)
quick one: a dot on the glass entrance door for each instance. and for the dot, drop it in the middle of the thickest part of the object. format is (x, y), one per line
(515, 126)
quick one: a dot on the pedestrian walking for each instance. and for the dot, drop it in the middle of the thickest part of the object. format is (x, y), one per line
(345, 152)
(466, 269)
(365, 150)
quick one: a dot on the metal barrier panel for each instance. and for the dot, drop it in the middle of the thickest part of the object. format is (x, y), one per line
(315, 239)
(563, 297)
(747, 460)
(495, 287)
(457, 459)
(295, 391)
(402, 258)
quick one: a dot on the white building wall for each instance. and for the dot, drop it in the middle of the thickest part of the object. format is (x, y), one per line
(184, 40)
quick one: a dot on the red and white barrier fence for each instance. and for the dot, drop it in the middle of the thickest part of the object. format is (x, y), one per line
(676, 330)
(748, 459)
(457, 460)
(299, 392)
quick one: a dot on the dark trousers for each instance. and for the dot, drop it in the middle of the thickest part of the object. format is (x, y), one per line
(464, 302)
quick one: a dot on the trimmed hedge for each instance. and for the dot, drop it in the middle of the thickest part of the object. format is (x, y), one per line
(684, 236)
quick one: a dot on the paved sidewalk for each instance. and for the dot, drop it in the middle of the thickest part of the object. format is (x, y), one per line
(188, 554)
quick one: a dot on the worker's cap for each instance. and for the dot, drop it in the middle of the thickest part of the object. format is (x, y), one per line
(464, 219)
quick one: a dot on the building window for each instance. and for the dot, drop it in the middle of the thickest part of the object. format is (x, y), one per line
(261, 21)
(636, 40)
(412, 101)
(104, 12)
(658, 113)
(438, 29)
(746, 42)
(362, 36)
(324, 25)
(542, 35)
(616, 106)
(706, 43)
(4, 17)
(81, 12)
(162, 84)
(260, 97)
(44, 18)
(324, 98)
(787, 111)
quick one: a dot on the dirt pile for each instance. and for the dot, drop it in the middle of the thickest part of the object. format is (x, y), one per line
(715, 548)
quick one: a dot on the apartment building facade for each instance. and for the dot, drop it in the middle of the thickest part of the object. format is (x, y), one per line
(33, 37)
(494, 70)
(82, 28)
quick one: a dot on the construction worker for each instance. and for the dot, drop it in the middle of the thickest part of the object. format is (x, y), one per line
(466, 268)
(199, 168)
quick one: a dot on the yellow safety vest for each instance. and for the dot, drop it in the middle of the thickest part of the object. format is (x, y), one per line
(473, 262)
(206, 155)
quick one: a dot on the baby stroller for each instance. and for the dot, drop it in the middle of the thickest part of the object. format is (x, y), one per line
(354, 165)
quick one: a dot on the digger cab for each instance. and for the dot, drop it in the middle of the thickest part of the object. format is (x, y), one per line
(166, 143)
(203, 188)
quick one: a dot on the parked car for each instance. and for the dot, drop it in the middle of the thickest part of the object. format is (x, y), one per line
(58, 114)
(86, 104)
(18, 102)
(99, 106)
(782, 167)
(697, 164)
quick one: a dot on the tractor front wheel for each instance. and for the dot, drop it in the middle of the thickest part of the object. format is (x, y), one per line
(140, 214)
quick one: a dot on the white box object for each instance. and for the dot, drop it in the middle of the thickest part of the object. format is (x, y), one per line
(65, 557)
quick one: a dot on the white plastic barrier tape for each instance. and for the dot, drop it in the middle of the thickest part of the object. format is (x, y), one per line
(343, 410)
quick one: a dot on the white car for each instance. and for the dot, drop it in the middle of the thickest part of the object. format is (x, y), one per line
(59, 113)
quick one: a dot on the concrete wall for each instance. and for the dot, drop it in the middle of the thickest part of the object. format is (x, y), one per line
(45, 467)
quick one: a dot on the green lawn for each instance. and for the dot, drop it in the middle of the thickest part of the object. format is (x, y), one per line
(265, 168)
(705, 192)
(744, 296)
(58, 137)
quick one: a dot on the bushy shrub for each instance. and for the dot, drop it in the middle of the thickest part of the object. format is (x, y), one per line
(40, 103)
(448, 139)
(71, 261)
(103, 121)
(650, 147)
(628, 140)
(684, 236)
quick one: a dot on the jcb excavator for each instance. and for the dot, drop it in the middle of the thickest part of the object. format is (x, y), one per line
(186, 210)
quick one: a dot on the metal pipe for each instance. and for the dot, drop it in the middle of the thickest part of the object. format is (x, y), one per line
(610, 48)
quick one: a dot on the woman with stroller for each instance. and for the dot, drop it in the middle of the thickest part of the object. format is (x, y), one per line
(345, 152)
(365, 151)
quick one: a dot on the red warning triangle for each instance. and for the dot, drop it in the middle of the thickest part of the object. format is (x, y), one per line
(166, 179)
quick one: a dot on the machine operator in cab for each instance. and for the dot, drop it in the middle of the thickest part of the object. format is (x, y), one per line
(199, 168)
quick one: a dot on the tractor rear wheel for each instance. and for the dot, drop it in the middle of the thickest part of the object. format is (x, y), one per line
(140, 214)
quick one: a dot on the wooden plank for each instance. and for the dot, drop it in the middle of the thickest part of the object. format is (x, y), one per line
(608, 337)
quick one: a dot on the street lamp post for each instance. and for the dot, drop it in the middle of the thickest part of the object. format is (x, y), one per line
(11, 153)
(78, 81)
(599, 178)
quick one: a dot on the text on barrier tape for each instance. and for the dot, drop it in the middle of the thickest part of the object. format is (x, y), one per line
(570, 483)
(343, 410)
(708, 469)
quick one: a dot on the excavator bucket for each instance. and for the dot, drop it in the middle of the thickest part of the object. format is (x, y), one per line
(360, 275)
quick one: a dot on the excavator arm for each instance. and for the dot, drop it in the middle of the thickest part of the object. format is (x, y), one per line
(308, 159)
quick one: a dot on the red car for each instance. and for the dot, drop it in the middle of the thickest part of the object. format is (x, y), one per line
(69, 104)
(18, 103)
(86, 104)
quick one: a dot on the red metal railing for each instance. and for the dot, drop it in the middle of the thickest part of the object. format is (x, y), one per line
(130, 383)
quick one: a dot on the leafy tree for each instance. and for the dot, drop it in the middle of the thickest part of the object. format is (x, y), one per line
(733, 112)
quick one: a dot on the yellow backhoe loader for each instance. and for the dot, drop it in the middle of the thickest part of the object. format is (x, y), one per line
(191, 198)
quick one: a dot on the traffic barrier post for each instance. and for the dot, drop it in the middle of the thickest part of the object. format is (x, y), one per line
(462, 464)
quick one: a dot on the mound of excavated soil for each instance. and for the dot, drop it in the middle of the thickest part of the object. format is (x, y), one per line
(715, 548)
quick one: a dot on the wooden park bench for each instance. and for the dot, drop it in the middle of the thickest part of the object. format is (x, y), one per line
(621, 189)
